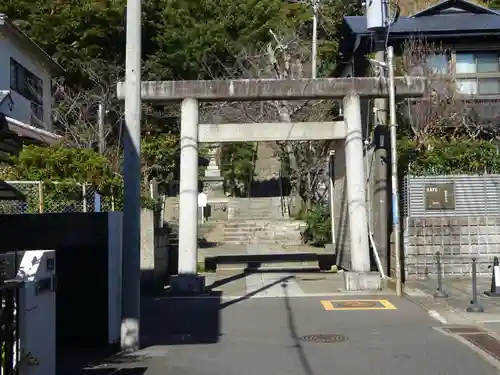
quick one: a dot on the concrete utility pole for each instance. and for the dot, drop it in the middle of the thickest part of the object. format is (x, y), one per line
(314, 48)
(314, 52)
(394, 172)
(131, 256)
(380, 169)
(377, 21)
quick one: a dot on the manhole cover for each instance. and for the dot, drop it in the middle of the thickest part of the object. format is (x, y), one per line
(360, 304)
(324, 337)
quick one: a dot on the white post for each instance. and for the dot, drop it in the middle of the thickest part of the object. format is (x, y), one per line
(131, 261)
(97, 202)
(100, 119)
(188, 191)
(356, 190)
(84, 196)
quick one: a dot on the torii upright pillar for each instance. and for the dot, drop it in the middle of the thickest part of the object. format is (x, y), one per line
(187, 281)
(356, 189)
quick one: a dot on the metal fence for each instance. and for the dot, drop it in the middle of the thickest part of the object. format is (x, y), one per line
(55, 197)
(467, 195)
(458, 216)
(9, 316)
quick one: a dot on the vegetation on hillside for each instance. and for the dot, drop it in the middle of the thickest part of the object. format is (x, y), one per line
(182, 39)
(192, 39)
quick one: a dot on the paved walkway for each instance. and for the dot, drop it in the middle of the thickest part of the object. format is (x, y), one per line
(234, 332)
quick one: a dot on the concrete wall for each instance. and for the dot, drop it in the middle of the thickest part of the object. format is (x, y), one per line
(21, 109)
(154, 256)
(458, 239)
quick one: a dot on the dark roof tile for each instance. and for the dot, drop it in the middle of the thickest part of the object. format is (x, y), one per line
(428, 24)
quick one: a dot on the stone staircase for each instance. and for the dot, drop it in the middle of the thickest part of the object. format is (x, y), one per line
(266, 181)
(250, 220)
(257, 209)
(283, 232)
(267, 163)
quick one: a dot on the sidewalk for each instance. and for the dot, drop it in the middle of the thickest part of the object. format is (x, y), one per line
(452, 310)
(267, 283)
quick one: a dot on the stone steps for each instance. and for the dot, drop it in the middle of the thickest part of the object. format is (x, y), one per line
(263, 231)
(284, 232)
(256, 208)
(290, 266)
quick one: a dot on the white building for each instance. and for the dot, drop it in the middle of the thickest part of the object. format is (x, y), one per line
(26, 73)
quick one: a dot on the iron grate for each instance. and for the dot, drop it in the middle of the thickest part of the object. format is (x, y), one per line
(485, 342)
(464, 329)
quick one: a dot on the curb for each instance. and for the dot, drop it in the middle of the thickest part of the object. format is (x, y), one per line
(433, 313)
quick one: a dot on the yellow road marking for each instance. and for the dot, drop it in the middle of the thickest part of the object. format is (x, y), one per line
(358, 304)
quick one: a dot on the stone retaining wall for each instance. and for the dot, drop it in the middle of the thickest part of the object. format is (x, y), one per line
(458, 239)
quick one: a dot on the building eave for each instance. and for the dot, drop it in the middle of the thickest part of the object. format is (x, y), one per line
(9, 29)
(27, 131)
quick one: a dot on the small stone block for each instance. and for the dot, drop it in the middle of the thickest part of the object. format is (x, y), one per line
(187, 284)
(362, 281)
(330, 247)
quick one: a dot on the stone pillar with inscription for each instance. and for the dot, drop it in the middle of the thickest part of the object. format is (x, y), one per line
(213, 181)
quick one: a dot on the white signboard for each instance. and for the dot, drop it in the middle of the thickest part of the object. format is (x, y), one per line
(202, 200)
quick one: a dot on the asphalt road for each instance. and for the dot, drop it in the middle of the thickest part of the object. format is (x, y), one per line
(211, 336)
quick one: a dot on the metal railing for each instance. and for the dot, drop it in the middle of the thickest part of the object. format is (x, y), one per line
(9, 316)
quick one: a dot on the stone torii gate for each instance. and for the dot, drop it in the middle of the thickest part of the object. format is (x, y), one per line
(190, 93)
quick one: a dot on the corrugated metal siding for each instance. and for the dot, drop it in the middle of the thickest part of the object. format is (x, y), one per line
(474, 195)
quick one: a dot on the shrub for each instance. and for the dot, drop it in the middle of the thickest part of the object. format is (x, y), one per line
(318, 226)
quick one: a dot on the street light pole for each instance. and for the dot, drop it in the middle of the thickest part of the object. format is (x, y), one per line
(131, 250)
(314, 48)
(314, 52)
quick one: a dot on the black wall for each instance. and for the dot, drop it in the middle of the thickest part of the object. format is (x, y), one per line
(81, 244)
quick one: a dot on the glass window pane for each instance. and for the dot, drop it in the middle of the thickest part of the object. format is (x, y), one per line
(13, 76)
(467, 86)
(438, 63)
(487, 62)
(466, 63)
(489, 86)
